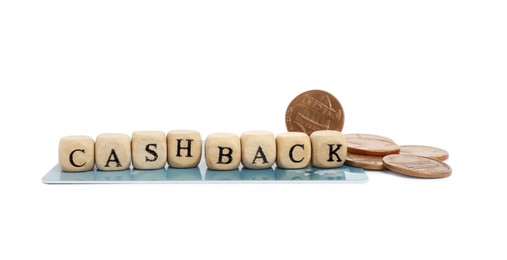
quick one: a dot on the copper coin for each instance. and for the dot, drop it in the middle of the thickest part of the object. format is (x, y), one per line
(417, 166)
(369, 136)
(314, 110)
(368, 146)
(369, 162)
(425, 151)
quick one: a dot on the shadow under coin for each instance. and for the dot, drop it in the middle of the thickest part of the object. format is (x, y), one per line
(258, 174)
(292, 174)
(77, 176)
(184, 174)
(149, 175)
(125, 175)
(231, 175)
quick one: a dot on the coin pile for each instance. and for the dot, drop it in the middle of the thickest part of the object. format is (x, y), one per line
(374, 152)
(319, 110)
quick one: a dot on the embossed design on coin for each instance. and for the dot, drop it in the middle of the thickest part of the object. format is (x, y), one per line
(314, 110)
(425, 151)
(417, 166)
(368, 146)
(369, 162)
(369, 136)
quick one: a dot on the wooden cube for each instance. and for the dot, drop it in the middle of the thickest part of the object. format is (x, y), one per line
(112, 152)
(76, 153)
(258, 149)
(223, 151)
(294, 150)
(184, 148)
(329, 149)
(149, 150)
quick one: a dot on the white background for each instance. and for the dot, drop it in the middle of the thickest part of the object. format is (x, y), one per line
(420, 72)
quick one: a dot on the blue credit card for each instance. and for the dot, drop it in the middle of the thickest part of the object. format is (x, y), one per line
(202, 174)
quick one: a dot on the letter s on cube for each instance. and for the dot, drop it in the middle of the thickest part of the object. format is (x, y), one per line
(149, 150)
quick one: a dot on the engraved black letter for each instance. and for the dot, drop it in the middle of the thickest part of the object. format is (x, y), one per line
(71, 158)
(152, 152)
(113, 158)
(221, 154)
(331, 152)
(188, 148)
(291, 156)
(260, 154)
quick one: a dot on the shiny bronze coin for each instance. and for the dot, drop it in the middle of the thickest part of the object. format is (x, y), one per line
(425, 151)
(368, 146)
(314, 110)
(417, 166)
(369, 136)
(368, 162)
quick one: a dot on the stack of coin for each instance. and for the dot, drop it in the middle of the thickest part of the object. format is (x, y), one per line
(319, 110)
(367, 150)
(373, 152)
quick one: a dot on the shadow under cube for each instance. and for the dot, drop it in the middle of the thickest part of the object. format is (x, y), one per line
(184, 174)
(267, 174)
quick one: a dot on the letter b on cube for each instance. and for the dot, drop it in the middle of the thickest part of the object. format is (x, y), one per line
(223, 151)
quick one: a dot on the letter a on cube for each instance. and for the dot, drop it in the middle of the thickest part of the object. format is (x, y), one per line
(258, 149)
(112, 152)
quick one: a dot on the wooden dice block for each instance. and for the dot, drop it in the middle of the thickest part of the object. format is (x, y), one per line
(294, 150)
(184, 148)
(76, 153)
(112, 152)
(149, 150)
(329, 149)
(223, 151)
(258, 149)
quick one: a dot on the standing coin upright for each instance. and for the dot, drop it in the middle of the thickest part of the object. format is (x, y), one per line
(314, 110)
